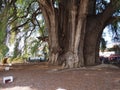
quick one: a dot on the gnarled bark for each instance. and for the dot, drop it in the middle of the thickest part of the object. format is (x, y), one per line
(51, 20)
(75, 30)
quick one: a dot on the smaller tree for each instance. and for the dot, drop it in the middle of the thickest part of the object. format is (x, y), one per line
(19, 20)
(102, 45)
(115, 48)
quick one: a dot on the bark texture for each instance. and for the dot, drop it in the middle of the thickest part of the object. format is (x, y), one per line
(75, 30)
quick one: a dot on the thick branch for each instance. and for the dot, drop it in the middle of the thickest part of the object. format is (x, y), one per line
(115, 4)
(47, 4)
(82, 16)
(113, 19)
(50, 16)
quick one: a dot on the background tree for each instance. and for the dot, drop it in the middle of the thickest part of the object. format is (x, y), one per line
(21, 21)
(4, 16)
(102, 44)
(115, 48)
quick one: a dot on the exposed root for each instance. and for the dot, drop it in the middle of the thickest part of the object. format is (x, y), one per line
(69, 60)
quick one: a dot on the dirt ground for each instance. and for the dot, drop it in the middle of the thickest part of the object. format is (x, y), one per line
(43, 77)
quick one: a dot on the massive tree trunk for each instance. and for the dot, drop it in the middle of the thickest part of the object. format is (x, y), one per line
(74, 31)
(72, 25)
(94, 27)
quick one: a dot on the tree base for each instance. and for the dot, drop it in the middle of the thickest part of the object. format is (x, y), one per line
(69, 60)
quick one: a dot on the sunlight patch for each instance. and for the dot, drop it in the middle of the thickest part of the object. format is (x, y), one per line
(19, 88)
(61, 89)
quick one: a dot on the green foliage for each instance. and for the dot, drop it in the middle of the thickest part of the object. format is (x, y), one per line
(41, 31)
(26, 53)
(1, 56)
(20, 16)
(46, 52)
(34, 48)
(3, 25)
(16, 52)
(17, 60)
(102, 45)
(115, 48)
(4, 49)
(3, 29)
(12, 37)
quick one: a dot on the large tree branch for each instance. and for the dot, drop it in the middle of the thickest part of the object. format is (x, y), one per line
(113, 5)
(50, 15)
(83, 11)
(113, 19)
(47, 4)
(48, 10)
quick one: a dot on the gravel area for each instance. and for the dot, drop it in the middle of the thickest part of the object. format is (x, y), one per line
(44, 77)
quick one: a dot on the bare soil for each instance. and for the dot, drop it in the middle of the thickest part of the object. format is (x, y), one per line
(41, 76)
